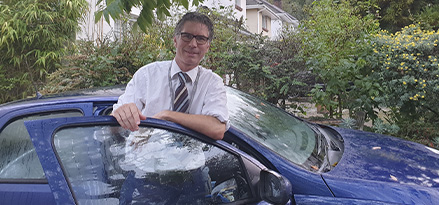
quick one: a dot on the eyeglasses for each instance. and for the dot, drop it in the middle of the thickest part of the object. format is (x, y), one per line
(187, 37)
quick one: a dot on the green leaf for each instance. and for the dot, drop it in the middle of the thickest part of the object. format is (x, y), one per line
(144, 20)
(98, 16)
(160, 14)
(107, 16)
(167, 3)
(127, 5)
(185, 3)
(284, 89)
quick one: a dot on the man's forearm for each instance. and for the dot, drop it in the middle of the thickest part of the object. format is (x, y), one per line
(207, 125)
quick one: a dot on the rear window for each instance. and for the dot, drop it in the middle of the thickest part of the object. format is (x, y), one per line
(18, 159)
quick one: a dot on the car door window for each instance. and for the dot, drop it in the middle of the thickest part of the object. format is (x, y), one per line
(109, 165)
(18, 159)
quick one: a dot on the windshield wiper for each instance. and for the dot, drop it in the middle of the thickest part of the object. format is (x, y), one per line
(323, 149)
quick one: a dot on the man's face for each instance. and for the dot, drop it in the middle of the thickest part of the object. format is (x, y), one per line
(189, 54)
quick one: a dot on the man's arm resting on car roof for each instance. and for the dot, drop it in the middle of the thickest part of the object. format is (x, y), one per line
(207, 125)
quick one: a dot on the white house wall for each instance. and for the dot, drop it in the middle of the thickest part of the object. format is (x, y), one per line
(276, 28)
(226, 3)
(91, 30)
(101, 30)
(253, 26)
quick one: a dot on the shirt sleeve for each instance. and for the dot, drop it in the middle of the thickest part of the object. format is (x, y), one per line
(215, 101)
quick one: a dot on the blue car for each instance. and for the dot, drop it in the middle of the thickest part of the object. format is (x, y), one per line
(65, 149)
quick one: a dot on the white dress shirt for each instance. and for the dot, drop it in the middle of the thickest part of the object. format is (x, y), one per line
(150, 90)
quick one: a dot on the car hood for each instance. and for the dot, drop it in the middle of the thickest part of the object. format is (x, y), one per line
(380, 158)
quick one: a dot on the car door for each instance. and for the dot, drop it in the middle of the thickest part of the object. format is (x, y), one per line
(92, 160)
(21, 175)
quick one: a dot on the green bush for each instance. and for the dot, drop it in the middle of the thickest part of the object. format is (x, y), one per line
(110, 62)
(336, 49)
(407, 69)
(253, 63)
(33, 38)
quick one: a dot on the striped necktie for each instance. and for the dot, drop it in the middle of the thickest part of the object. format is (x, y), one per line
(181, 101)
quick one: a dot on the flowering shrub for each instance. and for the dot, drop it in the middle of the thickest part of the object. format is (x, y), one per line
(407, 68)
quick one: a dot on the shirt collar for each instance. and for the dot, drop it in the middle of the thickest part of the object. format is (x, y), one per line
(176, 69)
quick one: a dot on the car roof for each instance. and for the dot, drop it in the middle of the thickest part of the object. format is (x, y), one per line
(101, 94)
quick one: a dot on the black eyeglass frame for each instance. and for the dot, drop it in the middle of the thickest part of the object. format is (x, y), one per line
(198, 38)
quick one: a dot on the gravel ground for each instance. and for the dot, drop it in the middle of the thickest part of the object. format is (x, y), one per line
(314, 115)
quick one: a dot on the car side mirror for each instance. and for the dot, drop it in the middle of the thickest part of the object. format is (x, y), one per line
(274, 188)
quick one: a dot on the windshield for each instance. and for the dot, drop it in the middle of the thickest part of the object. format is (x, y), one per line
(284, 134)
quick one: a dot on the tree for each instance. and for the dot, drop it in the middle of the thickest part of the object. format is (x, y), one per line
(117, 8)
(34, 35)
(335, 46)
(429, 17)
(395, 15)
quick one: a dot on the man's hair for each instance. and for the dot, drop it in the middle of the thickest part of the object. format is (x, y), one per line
(195, 17)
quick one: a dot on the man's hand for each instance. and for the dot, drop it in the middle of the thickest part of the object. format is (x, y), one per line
(129, 116)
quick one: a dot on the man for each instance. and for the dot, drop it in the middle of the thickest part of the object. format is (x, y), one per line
(180, 90)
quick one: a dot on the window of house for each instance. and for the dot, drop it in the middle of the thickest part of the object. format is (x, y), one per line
(122, 26)
(119, 28)
(265, 23)
(238, 5)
